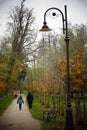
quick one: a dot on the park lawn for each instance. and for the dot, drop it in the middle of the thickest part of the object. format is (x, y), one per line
(5, 102)
(37, 112)
(37, 109)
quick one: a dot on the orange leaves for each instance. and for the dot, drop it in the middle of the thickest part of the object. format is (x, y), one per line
(2, 83)
(62, 66)
(77, 71)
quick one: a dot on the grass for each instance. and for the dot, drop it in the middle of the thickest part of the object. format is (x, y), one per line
(5, 102)
(37, 112)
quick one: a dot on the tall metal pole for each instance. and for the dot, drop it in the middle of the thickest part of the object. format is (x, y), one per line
(69, 125)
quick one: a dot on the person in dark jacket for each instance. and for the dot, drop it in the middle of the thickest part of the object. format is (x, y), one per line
(30, 99)
(20, 101)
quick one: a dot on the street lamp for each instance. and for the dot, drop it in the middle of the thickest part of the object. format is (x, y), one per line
(69, 125)
(21, 77)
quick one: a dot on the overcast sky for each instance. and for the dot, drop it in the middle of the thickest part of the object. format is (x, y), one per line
(76, 9)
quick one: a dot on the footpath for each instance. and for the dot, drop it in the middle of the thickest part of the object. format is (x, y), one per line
(15, 119)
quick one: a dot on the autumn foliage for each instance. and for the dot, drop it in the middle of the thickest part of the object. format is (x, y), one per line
(2, 84)
(78, 79)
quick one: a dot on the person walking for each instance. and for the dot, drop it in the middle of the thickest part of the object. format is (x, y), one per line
(20, 102)
(30, 99)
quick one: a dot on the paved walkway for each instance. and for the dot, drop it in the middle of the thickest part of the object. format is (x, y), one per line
(14, 119)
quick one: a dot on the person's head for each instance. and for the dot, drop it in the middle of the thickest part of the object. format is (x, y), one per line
(20, 96)
(29, 93)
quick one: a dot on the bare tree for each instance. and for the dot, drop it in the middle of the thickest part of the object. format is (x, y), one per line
(21, 31)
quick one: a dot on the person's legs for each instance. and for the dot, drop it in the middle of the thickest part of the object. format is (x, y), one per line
(19, 106)
(30, 105)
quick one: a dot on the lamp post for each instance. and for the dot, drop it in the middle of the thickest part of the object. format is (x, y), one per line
(21, 77)
(69, 125)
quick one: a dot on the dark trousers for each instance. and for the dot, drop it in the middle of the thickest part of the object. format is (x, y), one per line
(20, 106)
(30, 104)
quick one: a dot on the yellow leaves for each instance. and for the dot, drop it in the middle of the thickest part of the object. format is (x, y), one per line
(44, 90)
(77, 70)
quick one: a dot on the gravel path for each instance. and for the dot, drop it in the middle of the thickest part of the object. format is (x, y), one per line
(14, 119)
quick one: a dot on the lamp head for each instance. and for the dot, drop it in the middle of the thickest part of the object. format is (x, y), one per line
(45, 28)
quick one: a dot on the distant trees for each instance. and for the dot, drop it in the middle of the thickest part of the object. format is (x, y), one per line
(49, 80)
(19, 44)
(78, 71)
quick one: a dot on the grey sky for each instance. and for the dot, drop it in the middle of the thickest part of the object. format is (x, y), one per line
(76, 10)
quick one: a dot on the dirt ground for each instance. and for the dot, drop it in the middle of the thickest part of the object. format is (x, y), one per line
(15, 119)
